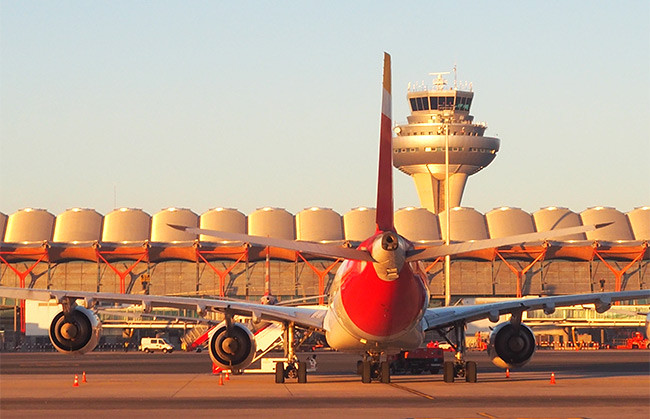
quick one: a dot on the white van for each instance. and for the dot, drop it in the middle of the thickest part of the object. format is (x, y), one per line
(155, 344)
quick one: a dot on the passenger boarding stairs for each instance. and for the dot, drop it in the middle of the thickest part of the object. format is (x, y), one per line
(267, 338)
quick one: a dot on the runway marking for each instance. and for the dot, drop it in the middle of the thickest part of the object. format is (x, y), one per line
(412, 391)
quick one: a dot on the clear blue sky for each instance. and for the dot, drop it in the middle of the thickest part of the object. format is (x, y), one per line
(247, 104)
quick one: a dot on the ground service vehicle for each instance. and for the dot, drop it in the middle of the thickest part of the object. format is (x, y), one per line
(155, 344)
(378, 303)
(635, 342)
(417, 361)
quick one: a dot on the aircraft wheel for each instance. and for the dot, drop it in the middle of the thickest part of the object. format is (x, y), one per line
(302, 372)
(470, 372)
(365, 372)
(279, 372)
(385, 372)
(449, 371)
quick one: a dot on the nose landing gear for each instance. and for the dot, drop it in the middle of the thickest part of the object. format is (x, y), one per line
(371, 368)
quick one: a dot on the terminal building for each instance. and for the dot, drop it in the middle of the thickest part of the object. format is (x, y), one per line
(128, 250)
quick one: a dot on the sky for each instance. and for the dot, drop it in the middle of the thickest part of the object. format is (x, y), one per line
(248, 104)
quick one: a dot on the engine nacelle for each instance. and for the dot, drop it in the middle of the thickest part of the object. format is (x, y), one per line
(77, 332)
(511, 346)
(234, 350)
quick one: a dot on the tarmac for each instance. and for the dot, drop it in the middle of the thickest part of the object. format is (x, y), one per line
(594, 384)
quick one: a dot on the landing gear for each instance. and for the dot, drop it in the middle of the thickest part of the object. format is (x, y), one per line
(279, 372)
(372, 368)
(292, 368)
(458, 367)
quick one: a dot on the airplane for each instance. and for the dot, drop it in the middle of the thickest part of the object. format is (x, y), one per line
(378, 305)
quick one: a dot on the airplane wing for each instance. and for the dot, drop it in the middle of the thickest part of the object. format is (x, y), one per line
(307, 317)
(321, 249)
(464, 247)
(446, 316)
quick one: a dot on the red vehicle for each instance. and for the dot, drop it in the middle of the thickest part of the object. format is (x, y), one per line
(635, 342)
(417, 361)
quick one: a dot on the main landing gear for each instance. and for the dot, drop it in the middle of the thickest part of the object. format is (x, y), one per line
(372, 368)
(458, 367)
(291, 368)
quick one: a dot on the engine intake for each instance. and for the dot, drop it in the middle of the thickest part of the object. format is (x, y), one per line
(511, 346)
(232, 350)
(75, 333)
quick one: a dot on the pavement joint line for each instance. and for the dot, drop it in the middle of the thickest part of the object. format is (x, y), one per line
(184, 385)
(412, 391)
(288, 389)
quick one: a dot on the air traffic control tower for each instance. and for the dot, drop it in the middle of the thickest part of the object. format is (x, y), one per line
(419, 145)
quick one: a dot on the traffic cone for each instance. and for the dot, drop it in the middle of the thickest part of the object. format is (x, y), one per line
(75, 383)
(83, 377)
(227, 376)
(215, 369)
(220, 379)
(552, 378)
(507, 372)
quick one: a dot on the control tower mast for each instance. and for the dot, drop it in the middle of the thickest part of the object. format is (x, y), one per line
(419, 146)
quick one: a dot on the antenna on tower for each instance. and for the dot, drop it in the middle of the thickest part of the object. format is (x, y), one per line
(455, 77)
(439, 82)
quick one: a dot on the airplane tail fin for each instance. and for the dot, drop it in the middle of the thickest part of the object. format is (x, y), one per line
(385, 179)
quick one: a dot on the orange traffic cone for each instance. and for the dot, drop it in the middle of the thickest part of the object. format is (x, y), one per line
(75, 383)
(507, 372)
(227, 376)
(552, 378)
(220, 379)
(83, 377)
(215, 369)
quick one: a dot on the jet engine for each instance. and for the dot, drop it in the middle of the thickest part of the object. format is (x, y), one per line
(232, 349)
(511, 346)
(77, 332)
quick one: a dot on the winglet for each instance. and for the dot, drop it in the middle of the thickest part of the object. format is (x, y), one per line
(385, 178)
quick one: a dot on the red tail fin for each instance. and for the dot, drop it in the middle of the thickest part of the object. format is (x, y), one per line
(385, 179)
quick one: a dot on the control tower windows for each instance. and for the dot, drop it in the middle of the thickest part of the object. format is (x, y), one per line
(460, 103)
(423, 103)
(440, 103)
(463, 103)
(419, 103)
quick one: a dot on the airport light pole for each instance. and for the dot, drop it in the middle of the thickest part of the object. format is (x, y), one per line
(447, 218)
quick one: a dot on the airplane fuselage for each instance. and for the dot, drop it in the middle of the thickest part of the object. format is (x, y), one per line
(372, 311)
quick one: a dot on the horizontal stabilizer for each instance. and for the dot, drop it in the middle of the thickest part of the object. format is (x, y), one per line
(459, 248)
(320, 249)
